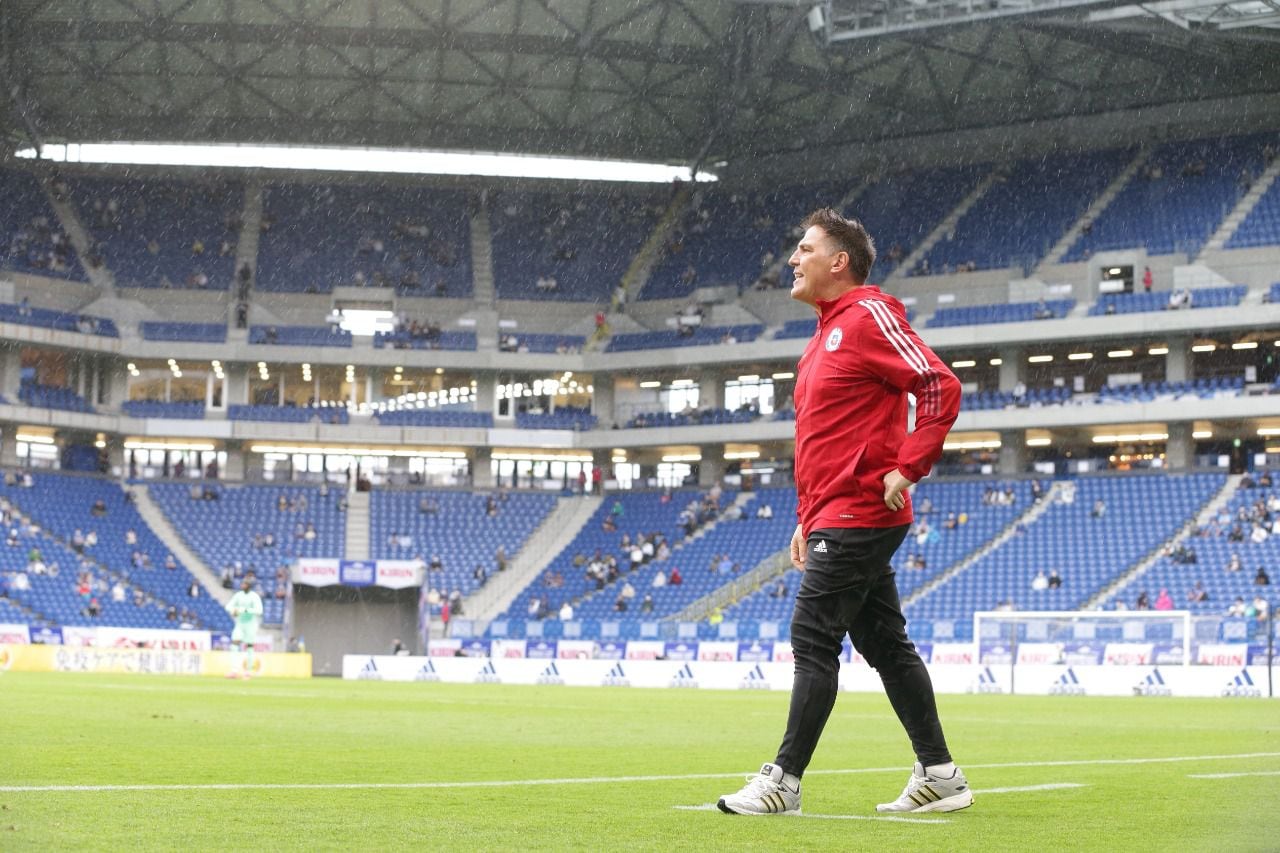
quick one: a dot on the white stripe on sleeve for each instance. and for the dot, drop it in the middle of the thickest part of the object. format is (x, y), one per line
(893, 333)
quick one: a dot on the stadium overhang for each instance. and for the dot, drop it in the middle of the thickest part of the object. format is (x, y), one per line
(835, 21)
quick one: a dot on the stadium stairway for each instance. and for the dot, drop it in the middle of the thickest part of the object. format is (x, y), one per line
(742, 500)
(1207, 512)
(551, 537)
(642, 264)
(100, 277)
(1242, 209)
(1033, 512)
(249, 238)
(357, 547)
(1095, 210)
(168, 534)
(947, 226)
(482, 258)
(773, 566)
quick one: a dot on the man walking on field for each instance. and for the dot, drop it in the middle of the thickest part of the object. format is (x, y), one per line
(245, 608)
(854, 462)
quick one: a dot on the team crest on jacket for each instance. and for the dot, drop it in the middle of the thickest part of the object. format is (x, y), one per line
(833, 339)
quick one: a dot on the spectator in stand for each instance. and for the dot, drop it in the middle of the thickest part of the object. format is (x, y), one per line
(1040, 581)
(1143, 602)
(1197, 593)
(566, 612)
(1164, 601)
(1237, 608)
(1055, 579)
(1261, 578)
(1147, 279)
(675, 578)
(1099, 508)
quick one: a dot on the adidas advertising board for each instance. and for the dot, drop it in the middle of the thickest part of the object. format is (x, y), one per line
(427, 672)
(1242, 685)
(488, 674)
(1152, 684)
(550, 675)
(1067, 684)
(754, 680)
(684, 677)
(1044, 680)
(616, 677)
(369, 672)
(986, 682)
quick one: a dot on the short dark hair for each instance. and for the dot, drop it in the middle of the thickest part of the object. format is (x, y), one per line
(849, 236)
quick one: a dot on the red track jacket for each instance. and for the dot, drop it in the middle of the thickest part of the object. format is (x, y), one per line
(851, 411)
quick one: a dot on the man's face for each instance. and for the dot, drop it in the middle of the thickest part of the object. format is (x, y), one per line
(811, 262)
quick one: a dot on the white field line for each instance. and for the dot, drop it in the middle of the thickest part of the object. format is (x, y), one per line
(1231, 775)
(1052, 786)
(711, 807)
(594, 780)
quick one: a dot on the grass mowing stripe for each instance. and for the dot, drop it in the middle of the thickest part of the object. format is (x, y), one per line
(597, 780)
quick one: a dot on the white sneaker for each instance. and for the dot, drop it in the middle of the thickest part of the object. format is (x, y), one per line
(925, 793)
(769, 792)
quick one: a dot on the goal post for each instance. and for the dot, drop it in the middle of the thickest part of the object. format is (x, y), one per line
(1082, 637)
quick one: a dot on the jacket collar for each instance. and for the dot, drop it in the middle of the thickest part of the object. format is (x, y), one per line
(831, 307)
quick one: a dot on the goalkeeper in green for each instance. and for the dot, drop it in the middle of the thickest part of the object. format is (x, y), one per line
(245, 608)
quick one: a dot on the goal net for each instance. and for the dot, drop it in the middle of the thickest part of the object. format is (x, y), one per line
(1075, 638)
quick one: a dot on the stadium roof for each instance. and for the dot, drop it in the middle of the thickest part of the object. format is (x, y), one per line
(686, 81)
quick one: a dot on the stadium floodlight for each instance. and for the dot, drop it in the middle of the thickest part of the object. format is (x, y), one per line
(403, 161)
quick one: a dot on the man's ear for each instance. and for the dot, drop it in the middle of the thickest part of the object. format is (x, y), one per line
(840, 262)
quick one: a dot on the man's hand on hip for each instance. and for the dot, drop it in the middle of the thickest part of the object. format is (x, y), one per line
(798, 549)
(894, 487)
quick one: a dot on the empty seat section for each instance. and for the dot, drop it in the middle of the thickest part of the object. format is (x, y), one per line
(456, 527)
(229, 532)
(1177, 200)
(729, 237)
(31, 237)
(161, 232)
(1026, 211)
(1138, 513)
(414, 240)
(569, 246)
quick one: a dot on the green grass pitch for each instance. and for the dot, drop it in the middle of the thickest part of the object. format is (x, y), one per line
(82, 730)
